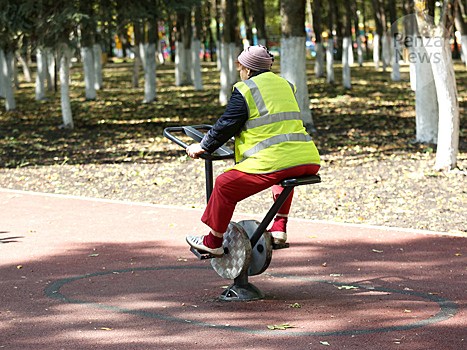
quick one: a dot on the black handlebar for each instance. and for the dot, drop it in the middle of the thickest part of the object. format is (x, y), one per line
(195, 133)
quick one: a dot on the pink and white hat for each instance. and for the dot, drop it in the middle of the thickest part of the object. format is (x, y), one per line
(256, 58)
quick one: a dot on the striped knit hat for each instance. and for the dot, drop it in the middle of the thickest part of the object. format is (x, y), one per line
(256, 58)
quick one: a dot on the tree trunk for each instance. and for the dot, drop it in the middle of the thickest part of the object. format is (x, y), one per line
(380, 24)
(50, 71)
(65, 87)
(8, 91)
(317, 28)
(89, 75)
(426, 101)
(97, 53)
(234, 40)
(225, 76)
(150, 64)
(293, 54)
(347, 46)
(40, 76)
(196, 49)
(259, 15)
(330, 47)
(436, 41)
(139, 35)
(2, 81)
(218, 35)
(248, 20)
(24, 64)
(461, 25)
(357, 33)
(386, 52)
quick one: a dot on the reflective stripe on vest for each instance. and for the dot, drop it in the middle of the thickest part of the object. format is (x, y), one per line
(266, 118)
(274, 141)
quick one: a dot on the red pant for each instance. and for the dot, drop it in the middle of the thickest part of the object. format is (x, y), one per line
(233, 186)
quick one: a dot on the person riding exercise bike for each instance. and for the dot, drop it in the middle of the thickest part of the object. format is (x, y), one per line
(271, 144)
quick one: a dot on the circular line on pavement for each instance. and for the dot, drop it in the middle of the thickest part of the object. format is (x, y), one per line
(448, 307)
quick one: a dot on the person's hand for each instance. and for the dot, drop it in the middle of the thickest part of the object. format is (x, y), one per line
(194, 150)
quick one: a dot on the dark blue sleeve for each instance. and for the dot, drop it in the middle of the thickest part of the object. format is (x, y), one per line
(228, 125)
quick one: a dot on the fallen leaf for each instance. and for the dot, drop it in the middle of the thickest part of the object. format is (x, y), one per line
(377, 251)
(347, 287)
(93, 255)
(324, 343)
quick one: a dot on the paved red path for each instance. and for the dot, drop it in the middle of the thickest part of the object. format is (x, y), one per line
(88, 274)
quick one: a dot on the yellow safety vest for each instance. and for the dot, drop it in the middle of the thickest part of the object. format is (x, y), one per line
(273, 138)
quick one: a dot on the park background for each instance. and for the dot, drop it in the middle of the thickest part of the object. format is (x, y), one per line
(106, 140)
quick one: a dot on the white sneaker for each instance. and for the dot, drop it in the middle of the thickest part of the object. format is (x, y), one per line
(197, 243)
(279, 236)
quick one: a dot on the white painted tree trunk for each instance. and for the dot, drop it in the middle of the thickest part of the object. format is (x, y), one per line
(10, 104)
(359, 51)
(2, 82)
(346, 47)
(330, 62)
(89, 74)
(376, 50)
(41, 74)
(232, 68)
(50, 71)
(350, 55)
(137, 62)
(412, 67)
(150, 67)
(464, 48)
(395, 74)
(188, 67)
(226, 87)
(160, 53)
(448, 103)
(197, 77)
(319, 60)
(65, 87)
(219, 55)
(97, 52)
(180, 64)
(386, 52)
(14, 70)
(293, 68)
(426, 102)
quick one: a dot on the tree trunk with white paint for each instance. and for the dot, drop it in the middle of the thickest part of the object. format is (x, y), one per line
(50, 71)
(10, 104)
(464, 48)
(65, 87)
(97, 51)
(41, 73)
(436, 39)
(386, 52)
(232, 67)
(180, 64)
(426, 101)
(226, 87)
(346, 46)
(446, 89)
(26, 70)
(319, 60)
(2, 83)
(89, 74)
(376, 50)
(395, 74)
(197, 77)
(330, 62)
(359, 50)
(293, 68)
(150, 66)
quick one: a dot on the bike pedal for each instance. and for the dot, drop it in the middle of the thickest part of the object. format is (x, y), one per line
(201, 254)
(276, 246)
